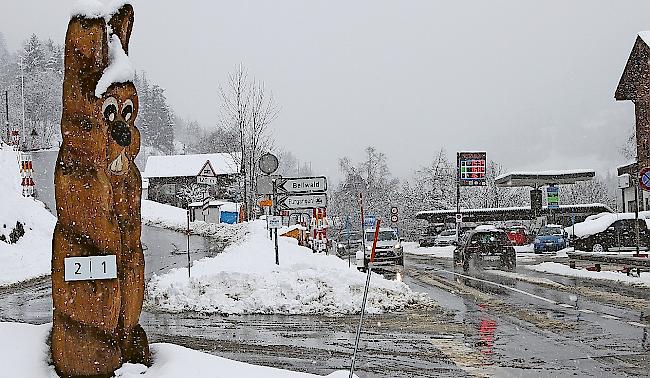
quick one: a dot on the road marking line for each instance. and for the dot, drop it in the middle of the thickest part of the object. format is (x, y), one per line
(637, 324)
(586, 311)
(500, 285)
(610, 317)
(565, 305)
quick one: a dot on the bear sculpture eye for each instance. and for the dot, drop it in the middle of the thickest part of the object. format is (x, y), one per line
(109, 108)
(127, 110)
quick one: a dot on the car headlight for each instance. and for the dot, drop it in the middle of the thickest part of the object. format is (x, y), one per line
(560, 240)
(398, 246)
(537, 241)
(341, 245)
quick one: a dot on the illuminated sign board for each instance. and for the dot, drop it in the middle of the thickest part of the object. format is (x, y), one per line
(471, 168)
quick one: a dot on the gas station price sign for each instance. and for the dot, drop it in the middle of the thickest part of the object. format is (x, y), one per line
(471, 168)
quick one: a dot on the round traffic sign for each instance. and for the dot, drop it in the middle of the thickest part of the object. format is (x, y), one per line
(268, 163)
(393, 218)
(393, 210)
(644, 179)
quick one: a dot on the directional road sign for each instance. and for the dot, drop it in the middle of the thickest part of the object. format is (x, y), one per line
(644, 179)
(302, 184)
(302, 201)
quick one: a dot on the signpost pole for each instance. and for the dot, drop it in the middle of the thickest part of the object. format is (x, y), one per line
(365, 296)
(363, 237)
(7, 115)
(275, 212)
(188, 244)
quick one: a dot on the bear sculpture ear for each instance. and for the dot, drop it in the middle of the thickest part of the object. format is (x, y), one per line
(122, 22)
(86, 51)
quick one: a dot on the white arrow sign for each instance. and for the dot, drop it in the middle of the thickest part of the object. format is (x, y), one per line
(303, 184)
(303, 201)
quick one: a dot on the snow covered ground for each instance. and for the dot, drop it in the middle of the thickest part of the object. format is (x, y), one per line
(245, 280)
(174, 218)
(414, 248)
(30, 256)
(564, 270)
(24, 353)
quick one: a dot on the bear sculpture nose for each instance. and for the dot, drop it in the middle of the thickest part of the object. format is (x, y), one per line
(121, 134)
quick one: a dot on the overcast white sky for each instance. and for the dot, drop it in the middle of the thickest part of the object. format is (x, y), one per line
(530, 82)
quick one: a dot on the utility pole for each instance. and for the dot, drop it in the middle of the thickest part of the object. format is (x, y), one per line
(22, 94)
(7, 115)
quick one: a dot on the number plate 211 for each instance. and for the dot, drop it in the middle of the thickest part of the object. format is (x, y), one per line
(90, 268)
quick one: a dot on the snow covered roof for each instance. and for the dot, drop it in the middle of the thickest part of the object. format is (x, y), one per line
(285, 230)
(421, 214)
(540, 178)
(190, 165)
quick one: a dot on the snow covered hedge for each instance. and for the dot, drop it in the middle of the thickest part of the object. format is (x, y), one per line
(245, 280)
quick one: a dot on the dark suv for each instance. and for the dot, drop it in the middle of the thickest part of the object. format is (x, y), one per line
(620, 235)
(485, 247)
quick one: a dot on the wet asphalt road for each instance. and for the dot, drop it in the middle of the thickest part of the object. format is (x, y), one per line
(483, 324)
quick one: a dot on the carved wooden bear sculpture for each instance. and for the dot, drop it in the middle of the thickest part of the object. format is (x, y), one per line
(98, 190)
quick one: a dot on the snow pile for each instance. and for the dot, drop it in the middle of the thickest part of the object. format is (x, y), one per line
(446, 252)
(30, 256)
(24, 353)
(245, 280)
(174, 218)
(564, 270)
(594, 224)
(119, 68)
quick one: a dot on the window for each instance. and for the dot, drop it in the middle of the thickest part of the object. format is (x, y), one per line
(168, 189)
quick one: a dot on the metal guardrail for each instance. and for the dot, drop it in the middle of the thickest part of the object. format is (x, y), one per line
(641, 262)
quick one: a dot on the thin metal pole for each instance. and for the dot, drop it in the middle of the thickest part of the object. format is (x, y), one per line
(188, 244)
(22, 92)
(7, 115)
(363, 233)
(275, 231)
(365, 296)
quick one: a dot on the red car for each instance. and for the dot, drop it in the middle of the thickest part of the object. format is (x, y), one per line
(518, 235)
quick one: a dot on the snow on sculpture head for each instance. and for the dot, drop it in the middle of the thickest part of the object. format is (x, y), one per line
(100, 102)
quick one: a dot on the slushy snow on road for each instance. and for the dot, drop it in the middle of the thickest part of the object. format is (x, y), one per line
(245, 280)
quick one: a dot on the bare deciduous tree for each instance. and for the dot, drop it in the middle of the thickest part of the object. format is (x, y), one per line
(248, 109)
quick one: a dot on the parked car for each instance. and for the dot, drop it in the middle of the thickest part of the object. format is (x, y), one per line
(430, 234)
(518, 235)
(388, 252)
(447, 237)
(551, 237)
(485, 247)
(348, 243)
(617, 235)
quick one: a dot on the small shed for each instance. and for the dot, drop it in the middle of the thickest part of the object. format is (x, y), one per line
(217, 212)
